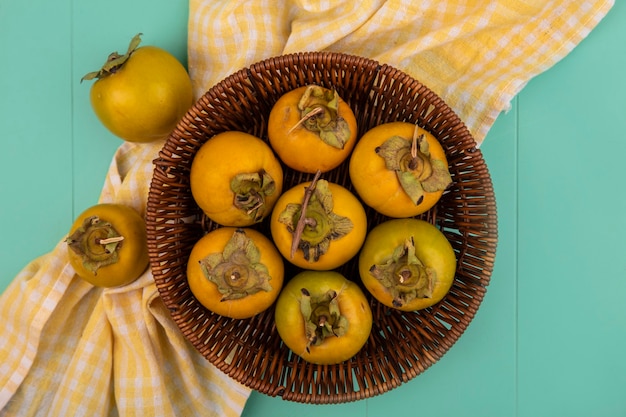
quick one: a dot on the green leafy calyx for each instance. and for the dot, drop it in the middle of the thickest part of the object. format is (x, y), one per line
(319, 111)
(96, 242)
(416, 171)
(404, 275)
(115, 61)
(250, 191)
(322, 317)
(237, 270)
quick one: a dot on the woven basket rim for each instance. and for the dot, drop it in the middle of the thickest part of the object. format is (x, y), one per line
(405, 344)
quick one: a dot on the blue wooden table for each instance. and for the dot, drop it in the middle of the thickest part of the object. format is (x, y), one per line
(550, 336)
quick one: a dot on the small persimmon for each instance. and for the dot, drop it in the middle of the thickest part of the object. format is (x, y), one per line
(235, 272)
(323, 317)
(141, 96)
(107, 245)
(311, 128)
(407, 264)
(399, 169)
(236, 179)
(328, 234)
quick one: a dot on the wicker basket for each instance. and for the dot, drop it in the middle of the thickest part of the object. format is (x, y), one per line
(402, 345)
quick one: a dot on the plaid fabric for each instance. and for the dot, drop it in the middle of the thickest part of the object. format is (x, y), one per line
(476, 55)
(71, 349)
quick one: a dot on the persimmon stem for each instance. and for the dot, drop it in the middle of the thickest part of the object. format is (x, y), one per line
(306, 117)
(414, 143)
(110, 240)
(255, 207)
(302, 221)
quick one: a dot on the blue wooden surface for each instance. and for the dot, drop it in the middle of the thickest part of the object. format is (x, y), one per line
(549, 337)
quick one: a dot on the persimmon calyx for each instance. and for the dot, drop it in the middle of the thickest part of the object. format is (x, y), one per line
(114, 61)
(404, 275)
(416, 171)
(96, 242)
(313, 223)
(322, 317)
(250, 191)
(237, 271)
(319, 112)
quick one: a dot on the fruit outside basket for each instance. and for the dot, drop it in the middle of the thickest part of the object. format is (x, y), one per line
(401, 345)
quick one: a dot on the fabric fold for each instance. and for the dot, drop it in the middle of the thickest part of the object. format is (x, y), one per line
(477, 56)
(75, 349)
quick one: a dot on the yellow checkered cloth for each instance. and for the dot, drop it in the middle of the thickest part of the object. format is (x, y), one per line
(476, 55)
(72, 349)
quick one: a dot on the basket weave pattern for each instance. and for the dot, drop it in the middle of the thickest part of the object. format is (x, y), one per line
(402, 345)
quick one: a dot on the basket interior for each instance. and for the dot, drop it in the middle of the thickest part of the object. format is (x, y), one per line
(402, 345)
